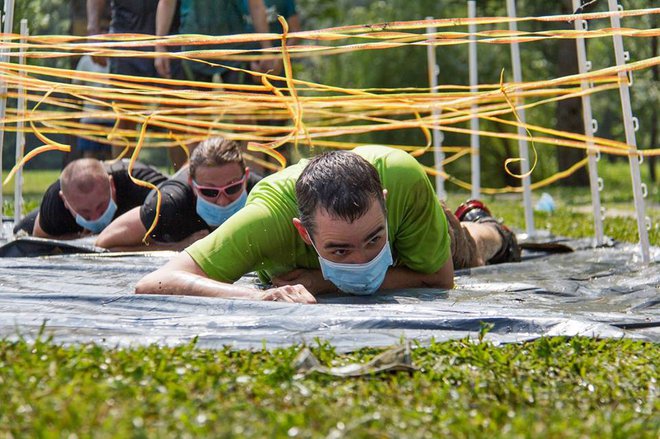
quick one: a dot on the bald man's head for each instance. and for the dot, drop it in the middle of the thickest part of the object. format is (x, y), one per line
(86, 188)
(82, 176)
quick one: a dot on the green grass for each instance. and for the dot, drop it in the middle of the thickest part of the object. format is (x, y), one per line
(34, 182)
(553, 387)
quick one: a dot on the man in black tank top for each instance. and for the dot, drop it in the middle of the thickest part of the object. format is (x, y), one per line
(88, 195)
(194, 201)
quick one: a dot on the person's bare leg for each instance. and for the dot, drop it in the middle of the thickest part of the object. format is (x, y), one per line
(486, 237)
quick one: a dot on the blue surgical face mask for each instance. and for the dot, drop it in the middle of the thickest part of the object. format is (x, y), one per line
(97, 225)
(359, 279)
(215, 215)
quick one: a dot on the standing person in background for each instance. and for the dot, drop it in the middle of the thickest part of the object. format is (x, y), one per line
(209, 17)
(275, 8)
(288, 10)
(133, 17)
(90, 148)
(215, 18)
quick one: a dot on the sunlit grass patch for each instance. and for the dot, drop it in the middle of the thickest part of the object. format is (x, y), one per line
(552, 387)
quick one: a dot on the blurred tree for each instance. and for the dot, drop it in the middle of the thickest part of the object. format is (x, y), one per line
(52, 17)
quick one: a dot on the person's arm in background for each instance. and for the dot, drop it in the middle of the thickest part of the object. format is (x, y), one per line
(95, 10)
(164, 16)
(182, 275)
(294, 26)
(40, 233)
(126, 233)
(260, 23)
(293, 20)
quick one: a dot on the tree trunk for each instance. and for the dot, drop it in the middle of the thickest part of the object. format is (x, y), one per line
(569, 111)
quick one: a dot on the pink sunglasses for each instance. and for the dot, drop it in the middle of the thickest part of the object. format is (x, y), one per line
(214, 191)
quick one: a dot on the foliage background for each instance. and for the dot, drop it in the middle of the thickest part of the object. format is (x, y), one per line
(407, 67)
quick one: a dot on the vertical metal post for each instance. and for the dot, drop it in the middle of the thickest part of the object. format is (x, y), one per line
(20, 135)
(474, 121)
(629, 123)
(522, 143)
(8, 18)
(589, 129)
(438, 137)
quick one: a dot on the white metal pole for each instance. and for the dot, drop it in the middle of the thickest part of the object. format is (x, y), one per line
(639, 189)
(20, 135)
(522, 143)
(438, 137)
(474, 121)
(589, 129)
(8, 17)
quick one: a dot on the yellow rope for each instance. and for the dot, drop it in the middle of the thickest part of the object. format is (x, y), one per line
(175, 113)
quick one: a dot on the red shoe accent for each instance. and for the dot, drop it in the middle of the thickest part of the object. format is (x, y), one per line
(469, 205)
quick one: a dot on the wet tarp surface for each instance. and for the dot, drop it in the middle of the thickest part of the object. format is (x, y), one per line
(83, 298)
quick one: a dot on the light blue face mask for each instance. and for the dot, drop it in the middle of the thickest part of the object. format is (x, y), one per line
(215, 215)
(359, 279)
(97, 225)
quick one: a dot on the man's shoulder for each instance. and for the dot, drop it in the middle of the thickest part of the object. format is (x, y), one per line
(174, 194)
(119, 170)
(285, 176)
(387, 157)
(177, 188)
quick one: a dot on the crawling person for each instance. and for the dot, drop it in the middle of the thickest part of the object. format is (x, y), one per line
(347, 221)
(87, 197)
(195, 201)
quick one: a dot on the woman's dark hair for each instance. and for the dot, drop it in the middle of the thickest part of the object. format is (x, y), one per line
(340, 182)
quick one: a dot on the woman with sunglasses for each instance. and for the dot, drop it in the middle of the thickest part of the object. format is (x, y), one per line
(194, 201)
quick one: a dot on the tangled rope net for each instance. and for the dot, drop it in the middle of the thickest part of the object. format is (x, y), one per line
(174, 113)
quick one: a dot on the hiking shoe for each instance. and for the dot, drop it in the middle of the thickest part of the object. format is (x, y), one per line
(475, 211)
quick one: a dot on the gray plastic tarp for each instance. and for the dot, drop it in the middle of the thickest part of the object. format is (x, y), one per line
(84, 298)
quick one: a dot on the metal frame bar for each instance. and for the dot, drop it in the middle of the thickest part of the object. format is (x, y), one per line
(438, 136)
(639, 188)
(8, 21)
(522, 143)
(474, 121)
(589, 129)
(20, 135)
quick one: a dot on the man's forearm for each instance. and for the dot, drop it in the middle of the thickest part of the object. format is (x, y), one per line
(402, 277)
(94, 12)
(190, 284)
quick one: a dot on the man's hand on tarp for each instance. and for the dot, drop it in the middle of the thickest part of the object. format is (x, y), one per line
(288, 293)
(312, 280)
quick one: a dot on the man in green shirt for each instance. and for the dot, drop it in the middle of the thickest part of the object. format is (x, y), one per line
(345, 221)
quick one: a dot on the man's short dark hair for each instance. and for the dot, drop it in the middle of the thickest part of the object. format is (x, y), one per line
(340, 182)
(215, 151)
